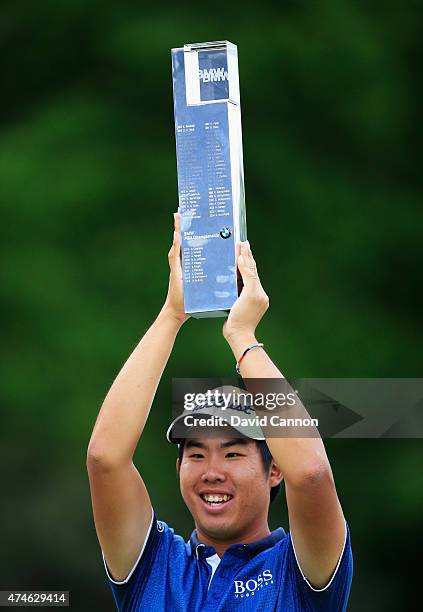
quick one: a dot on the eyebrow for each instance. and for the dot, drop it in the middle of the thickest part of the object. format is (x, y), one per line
(235, 441)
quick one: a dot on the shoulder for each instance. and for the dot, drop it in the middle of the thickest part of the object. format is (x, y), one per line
(160, 542)
(163, 540)
(161, 562)
(334, 595)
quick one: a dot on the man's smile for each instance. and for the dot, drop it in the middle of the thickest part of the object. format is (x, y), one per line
(215, 501)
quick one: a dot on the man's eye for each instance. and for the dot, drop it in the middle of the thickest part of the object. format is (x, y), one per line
(233, 455)
(196, 456)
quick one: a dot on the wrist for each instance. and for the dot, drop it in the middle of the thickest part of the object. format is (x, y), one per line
(167, 313)
(239, 341)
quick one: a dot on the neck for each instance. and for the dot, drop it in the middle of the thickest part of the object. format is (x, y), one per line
(221, 546)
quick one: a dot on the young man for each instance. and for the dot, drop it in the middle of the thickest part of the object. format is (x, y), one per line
(232, 560)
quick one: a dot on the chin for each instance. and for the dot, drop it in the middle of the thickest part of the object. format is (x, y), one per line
(219, 524)
(219, 530)
(221, 527)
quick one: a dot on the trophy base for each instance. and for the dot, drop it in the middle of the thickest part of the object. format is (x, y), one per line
(209, 314)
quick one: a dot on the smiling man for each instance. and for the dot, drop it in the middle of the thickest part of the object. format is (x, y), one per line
(226, 482)
(228, 478)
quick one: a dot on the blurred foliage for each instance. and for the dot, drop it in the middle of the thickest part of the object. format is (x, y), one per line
(331, 121)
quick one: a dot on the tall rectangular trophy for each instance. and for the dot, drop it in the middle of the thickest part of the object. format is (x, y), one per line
(210, 173)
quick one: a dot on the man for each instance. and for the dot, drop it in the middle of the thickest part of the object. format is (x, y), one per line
(232, 561)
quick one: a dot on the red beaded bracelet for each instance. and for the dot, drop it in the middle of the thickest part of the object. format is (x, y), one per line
(249, 348)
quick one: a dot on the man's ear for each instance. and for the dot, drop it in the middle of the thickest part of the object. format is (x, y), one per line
(178, 465)
(275, 475)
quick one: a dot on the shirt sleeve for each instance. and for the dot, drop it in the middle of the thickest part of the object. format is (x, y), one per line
(127, 592)
(334, 596)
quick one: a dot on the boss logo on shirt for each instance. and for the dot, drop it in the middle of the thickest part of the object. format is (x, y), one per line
(249, 587)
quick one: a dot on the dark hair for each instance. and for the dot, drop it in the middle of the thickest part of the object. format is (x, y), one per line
(266, 456)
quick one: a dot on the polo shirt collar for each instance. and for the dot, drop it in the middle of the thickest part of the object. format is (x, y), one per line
(201, 550)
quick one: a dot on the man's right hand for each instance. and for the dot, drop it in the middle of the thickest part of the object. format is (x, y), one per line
(174, 304)
(251, 305)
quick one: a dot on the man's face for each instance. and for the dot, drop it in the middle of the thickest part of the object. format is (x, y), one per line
(224, 485)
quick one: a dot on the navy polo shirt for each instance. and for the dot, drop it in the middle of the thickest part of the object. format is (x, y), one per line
(173, 576)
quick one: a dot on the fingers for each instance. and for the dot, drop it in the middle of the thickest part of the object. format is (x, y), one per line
(252, 285)
(177, 221)
(174, 254)
(247, 265)
(177, 240)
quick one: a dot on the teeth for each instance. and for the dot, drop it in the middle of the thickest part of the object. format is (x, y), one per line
(217, 499)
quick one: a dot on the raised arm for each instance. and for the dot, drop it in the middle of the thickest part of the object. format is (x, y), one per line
(316, 520)
(121, 505)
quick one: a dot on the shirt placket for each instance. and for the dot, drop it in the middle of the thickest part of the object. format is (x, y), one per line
(204, 569)
(223, 576)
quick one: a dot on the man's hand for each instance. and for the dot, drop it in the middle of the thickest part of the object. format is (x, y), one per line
(252, 303)
(174, 304)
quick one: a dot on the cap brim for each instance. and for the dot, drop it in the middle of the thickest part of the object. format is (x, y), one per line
(252, 432)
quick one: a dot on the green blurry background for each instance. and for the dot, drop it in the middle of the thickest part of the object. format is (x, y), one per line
(331, 123)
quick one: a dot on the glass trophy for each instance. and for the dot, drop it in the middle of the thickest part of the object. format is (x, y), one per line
(210, 173)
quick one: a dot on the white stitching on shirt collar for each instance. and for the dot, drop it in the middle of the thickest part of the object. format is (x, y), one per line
(196, 549)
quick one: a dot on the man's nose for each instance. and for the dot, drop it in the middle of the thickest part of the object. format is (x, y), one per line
(213, 473)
